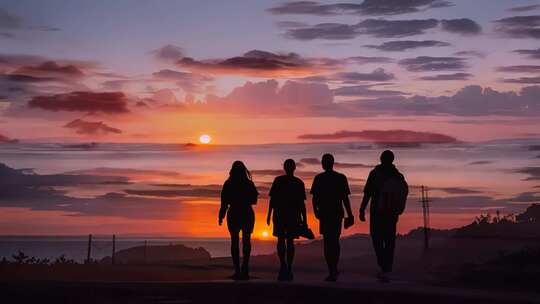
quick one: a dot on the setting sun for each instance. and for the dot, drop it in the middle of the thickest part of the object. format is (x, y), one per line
(205, 139)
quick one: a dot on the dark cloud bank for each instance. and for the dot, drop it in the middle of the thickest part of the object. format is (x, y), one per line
(367, 7)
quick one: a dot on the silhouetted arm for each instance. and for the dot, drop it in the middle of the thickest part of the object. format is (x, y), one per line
(304, 213)
(303, 205)
(346, 201)
(347, 204)
(368, 193)
(271, 204)
(254, 194)
(365, 202)
(270, 208)
(315, 197)
(315, 202)
(224, 203)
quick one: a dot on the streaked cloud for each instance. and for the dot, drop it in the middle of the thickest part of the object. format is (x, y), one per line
(476, 54)
(428, 63)
(378, 28)
(262, 64)
(463, 26)
(403, 45)
(446, 77)
(519, 26)
(4, 139)
(189, 82)
(366, 91)
(384, 136)
(523, 80)
(524, 8)
(337, 165)
(533, 54)
(50, 69)
(519, 69)
(84, 127)
(367, 7)
(90, 102)
(168, 53)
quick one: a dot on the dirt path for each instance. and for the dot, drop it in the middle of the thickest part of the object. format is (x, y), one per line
(253, 292)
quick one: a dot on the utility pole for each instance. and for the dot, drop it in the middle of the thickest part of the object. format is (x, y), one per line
(425, 208)
(89, 249)
(113, 247)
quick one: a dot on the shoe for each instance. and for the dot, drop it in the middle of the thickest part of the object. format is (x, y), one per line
(244, 273)
(282, 276)
(244, 276)
(331, 278)
(236, 276)
(383, 277)
(290, 276)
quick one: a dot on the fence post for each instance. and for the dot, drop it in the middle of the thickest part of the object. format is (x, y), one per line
(89, 250)
(113, 247)
(425, 210)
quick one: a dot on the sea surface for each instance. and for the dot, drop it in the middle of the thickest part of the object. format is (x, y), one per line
(173, 189)
(76, 247)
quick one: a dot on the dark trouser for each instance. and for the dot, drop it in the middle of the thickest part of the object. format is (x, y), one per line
(285, 249)
(330, 228)
(383, 235)
(332, 252)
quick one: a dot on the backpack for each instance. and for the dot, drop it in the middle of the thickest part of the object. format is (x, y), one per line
(393, 195)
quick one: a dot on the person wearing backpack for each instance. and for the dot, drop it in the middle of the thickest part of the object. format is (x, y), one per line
(387, 189)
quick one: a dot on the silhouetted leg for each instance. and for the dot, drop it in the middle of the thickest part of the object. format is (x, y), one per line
(246, 250)
(235, 251)
(290, 254)
(281, 250)
(337, 247)
(390, 243)
(332, 252)
(378, 242)
(327, 251)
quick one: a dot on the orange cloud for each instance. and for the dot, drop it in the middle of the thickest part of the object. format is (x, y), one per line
(258, 63)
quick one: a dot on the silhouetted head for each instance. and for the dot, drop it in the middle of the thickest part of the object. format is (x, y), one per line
(239, 171)
(289, 166)
(327, 162)
(387, 157)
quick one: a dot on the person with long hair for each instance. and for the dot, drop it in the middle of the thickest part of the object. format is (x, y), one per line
(287, 196)
(238, 195)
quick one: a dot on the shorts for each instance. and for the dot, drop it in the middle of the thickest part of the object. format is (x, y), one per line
(241, 220)
(287, 225)
(330, 226)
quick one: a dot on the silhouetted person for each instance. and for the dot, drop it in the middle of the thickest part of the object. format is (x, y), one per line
(237, 197)
(330, 192)
(287, 196)
(388, 190)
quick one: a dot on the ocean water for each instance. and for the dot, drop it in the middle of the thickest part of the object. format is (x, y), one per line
(76, 247)
(173, 189)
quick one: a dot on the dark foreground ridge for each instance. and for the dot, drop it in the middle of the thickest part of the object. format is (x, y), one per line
(224, 292)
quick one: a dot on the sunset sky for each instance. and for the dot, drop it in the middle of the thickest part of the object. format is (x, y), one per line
(436, 72)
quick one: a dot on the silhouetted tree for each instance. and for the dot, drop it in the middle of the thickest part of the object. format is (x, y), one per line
(20, 258)
(531, 214)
